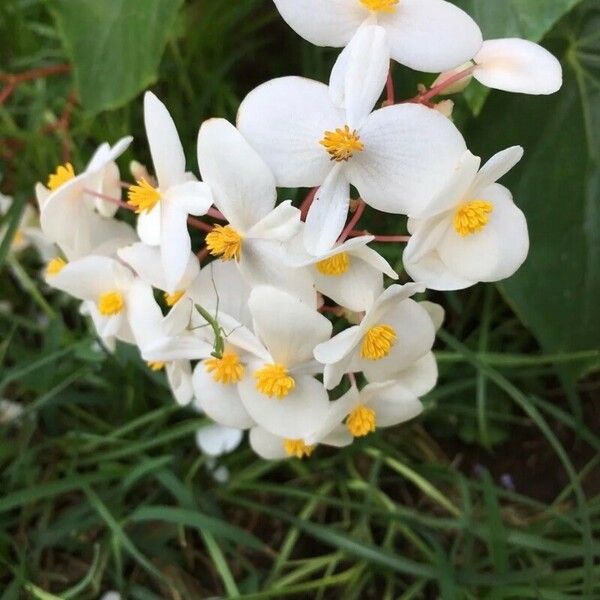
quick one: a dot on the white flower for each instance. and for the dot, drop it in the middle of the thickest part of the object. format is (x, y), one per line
(9, 411)
(163, 210)
(395, 332)
(395, 156)
(216, 440)
(472, 231)
(274, 447)
(425, 35)
(282, 395)
(244, 191)
(350, 273)
(67, 214)
(112, 294)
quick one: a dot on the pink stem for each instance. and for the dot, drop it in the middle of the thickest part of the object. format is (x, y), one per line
(360, 209)
(216, 214)
(198, 224)
(391, 239)
(389, 88)
(352, 378)
(116, 201)
(307, 202)
(438, 89)
(202, 254)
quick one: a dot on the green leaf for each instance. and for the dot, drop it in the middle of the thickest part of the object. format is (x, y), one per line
(556, 291)
(115, 46)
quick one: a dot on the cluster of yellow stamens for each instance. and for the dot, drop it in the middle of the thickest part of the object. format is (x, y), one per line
(378, 342)
(55, 266)
(111, 303)
(473, 216)
(297, 448)
(341, 144)
(174, 298)
(388, 6)
(156, 365)
(226, 370)
(274, 381)
(361, 421)
(224, 241)
(62, 174)
(143, 196)
(335, 265)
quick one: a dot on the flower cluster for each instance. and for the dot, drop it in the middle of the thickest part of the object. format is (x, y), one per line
(239, 324)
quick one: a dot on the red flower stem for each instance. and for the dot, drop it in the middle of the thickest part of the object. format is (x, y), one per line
(116, 201)
(438, 89)
(360, 209)
(12, 80)
(389, 88)
(307, 202)
(198, 224)
(202, 254)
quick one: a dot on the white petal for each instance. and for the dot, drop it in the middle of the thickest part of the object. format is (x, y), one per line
(181, 347)
(220, 402)
(392, 403)
(175, 243)
(360, 73)
(496, 251)
(243, 185)
(149, 226)
(165, 146)
(420, 376)
(389, 300)
(289, 328)
(143, 313)
(375, 260)
(436, 313)
(193, 197)
(337, 354)
(495, 168)
(145, 261)
(328, 212)
(337, 412)
(293, 417)
(330, 23)
(408, 150)
(516, 65)
(267, 445)
(110, 185)
(284, 120)
(215, 440)
(179, 376)
(281, 224)
(431, 35)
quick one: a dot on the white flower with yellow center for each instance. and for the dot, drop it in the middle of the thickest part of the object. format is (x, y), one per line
(311, 134)
(112, 295)
(511, 65)
(472, 231)
(425, 35)
(244, 191)
(163, 210)
(67, 215)
(394, 333)
(281, 394)
(350, 273)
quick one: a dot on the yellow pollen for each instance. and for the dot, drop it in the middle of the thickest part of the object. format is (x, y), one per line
(471, 217)
(378, 342)
(224, 241)
(361, 421)
(111, 303)
(18, 238)
(388, 6)
(227, 369)
(342, 143)
(174, 298)
(297, 448)
(274, 380)
(156, 365)
(335, 265)
(142, 196)
(62, 174)
(55, 266)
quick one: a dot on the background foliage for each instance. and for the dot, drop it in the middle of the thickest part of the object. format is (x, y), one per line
(492, 493)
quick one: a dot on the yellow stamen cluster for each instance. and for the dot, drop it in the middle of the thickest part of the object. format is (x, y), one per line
(361, 421)
(174, 298)
(335, 265)
(378, 342)
(62, 174)
(224, 241)
(226, 370)
(473, 216)
(297, 448)
(388, 6)
(274, 380)
(143, 196)
(111, 303)
(156, 365)
(341, 144)
(55, 266)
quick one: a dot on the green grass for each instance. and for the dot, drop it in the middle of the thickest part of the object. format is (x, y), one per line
(102, 486)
